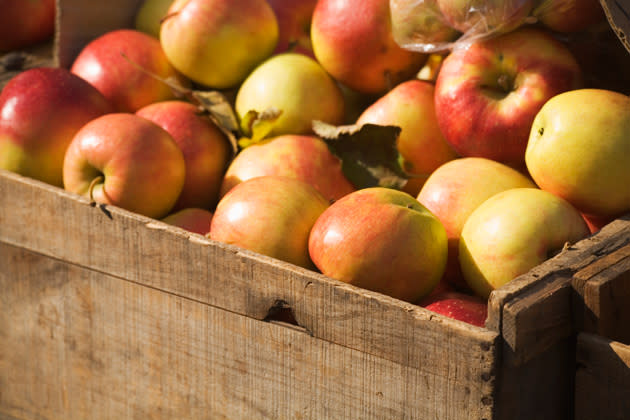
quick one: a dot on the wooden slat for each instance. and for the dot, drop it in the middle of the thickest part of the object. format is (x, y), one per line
(617, 13)
(602, 383)
(55, 223)
(80, 344)
(533, 311)
(602, 296)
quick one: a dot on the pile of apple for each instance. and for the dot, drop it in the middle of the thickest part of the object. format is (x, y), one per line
(301, 130)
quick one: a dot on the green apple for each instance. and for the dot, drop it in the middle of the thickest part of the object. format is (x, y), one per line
(41, 110)
(150, 14)
(306, 158)
(271, 215)
(126, 161)
(382, 240)
(578, 149)
(353, 41)
(410, 106)
(217, 43)
(512, 232)
(454, 190)
(297, 86)
(206, 150)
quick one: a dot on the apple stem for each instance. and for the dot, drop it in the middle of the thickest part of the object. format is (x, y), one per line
(95, 181)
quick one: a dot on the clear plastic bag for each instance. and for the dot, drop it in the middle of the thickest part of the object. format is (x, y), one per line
(433, 26)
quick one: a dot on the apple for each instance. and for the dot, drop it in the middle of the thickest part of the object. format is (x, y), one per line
(126, 161)
(149, 16)
(410, 106)
(302, 157)
(217, 43)
(512, 232)
(485, 17)
(271, 215)
(41, 110)
(470, 309)
(294, 25)
(420, 25)
(24, 23)
(383, 240)
(353, 41)
(579, 147)
(206, 150)
(454, 190)
(596, 223)
(487, 95)
(297, 86)
(122, 65)
(193, 219)
(568, 16)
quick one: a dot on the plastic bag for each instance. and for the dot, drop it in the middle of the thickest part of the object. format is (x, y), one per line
(431, 26)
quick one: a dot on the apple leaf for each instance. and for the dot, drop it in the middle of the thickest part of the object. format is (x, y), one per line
(256, 126)
(368, 153)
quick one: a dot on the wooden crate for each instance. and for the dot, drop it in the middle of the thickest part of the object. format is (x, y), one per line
(108, 314)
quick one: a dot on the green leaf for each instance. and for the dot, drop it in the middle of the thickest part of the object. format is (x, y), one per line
(368, 153)
(256, 126)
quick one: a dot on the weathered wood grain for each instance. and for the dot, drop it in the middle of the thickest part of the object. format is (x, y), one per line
(80, 344)
(602, 296)
(529, 328)
(602, 383)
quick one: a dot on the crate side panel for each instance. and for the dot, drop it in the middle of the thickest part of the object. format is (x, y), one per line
(146, 251)
(76, 344)
(602, 380)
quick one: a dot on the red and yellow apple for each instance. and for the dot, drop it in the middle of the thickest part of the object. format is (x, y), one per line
(454, 190)
(410, 106)
(306, 158)
(512, 232)
(122, 65)
(579, 150)
(568, 16)
(383, 240)
(297, 86)
(217, 43)
(41, 110)
(294, 25)
(193, 219)
(353, 41)
(24, 23)
(124, 160)
(271, 215)
(487, 95)
(206, 150)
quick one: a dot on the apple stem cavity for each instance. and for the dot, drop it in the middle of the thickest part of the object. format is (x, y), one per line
(95, 181)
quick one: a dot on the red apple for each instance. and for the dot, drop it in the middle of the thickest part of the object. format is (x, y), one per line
(488, 94)
(470, 309)
(192, 219)
(217, 43)
(121, 64)
(353, 41)
(410, 106)
(306, 158)
(294, 25)
(126, 161)
(457, 188)
(41, 110)
(205, 147)
(271, 215)
(569, 15)
(24, 23)
(380, 239)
